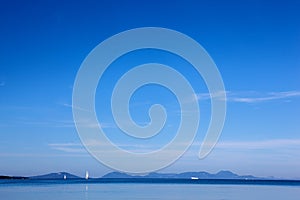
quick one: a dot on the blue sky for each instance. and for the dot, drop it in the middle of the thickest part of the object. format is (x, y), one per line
(255, 45)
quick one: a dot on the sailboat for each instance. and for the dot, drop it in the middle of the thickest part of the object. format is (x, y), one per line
(65, 177)
(86, 175)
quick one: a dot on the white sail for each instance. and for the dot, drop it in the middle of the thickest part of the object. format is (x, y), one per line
(65, 177)
(86, 175)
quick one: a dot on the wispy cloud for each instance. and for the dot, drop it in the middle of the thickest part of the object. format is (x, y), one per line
(266, 144)
(258, 148)
(2, 83)
(24, 122)
(100, 146)
(265, 97)
(249, 96)
(42, 155)
(75, 107)
(87, 123)
(68, 144)
(205, 96)
(68, 147)
(16, 107)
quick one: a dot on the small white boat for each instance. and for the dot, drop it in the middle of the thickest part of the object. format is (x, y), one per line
(194, 178)
(86, 175)
(65, 177)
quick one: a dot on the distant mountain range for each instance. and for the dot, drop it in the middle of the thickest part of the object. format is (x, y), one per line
(185, 175)
(59, 175)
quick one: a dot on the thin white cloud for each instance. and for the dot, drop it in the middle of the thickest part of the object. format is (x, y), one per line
(21, 155)
(263, 144)
(75, 107)
(249, 96)
(69, 144)
(86, 123)
(266, 97)
(68, 147)
(83, 123)
(205, 96)
(46, 123)
(130, 147)
(266, 144)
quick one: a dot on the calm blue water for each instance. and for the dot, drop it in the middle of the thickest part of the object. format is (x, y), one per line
(89, 190)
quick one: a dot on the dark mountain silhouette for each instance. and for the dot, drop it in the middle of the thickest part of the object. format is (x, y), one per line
(59, 175)
(185, 175)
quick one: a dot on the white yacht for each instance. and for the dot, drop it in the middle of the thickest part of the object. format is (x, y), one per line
(86, 175)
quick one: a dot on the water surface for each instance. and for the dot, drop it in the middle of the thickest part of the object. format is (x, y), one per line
(92, 190)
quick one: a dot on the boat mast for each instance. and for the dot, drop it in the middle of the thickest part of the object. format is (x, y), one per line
(86, 175)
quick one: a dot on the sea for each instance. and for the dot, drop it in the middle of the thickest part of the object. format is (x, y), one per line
(157, 189)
